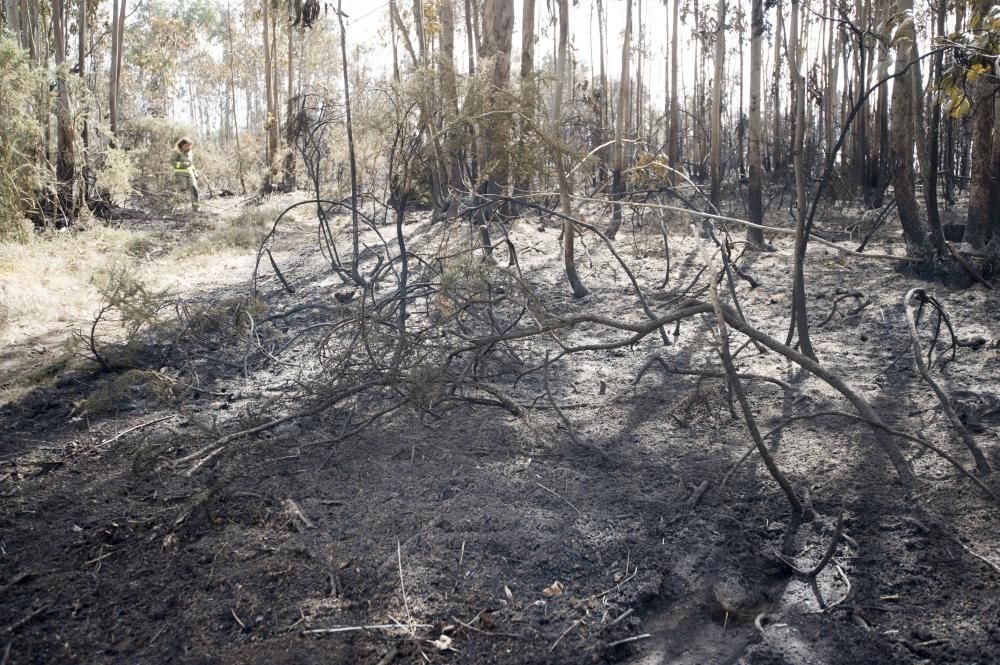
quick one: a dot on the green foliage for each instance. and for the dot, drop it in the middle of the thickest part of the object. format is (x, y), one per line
(975, 52)
(136, 312)
(20, 136)
(116, 174)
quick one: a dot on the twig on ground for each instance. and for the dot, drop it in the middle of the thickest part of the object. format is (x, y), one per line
(624, 615)
(237, 617)
(969, 268)
(10, 628)
(17, 579)
(294, 509)
(480, 630)
(402, 585)
(617, 585)
(847, 582)
(555, 405)
(350, 629)
(830, 550)
(564, 634)
(555, 494)
(636, 638)
(982, 464)
(698, 493)
(108, 442)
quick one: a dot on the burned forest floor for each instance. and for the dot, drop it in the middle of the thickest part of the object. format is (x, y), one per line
(181, 483)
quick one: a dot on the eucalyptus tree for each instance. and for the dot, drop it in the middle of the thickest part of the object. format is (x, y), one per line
(717, 85)
(755, 184)
(569, 231)
(621, 126)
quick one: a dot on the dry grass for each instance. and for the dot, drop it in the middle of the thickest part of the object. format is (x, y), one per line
(49, 285)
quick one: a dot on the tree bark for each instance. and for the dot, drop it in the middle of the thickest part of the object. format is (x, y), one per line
(755, 184)
(65, 136)
(720, 58)
(569, 231)
(901, 151)
(449, 86)
(618, 185)
(271, 121)
(675, 111)
(777, 144)
(528, 90)
(355, 230)
(800, 318)
(977, 229)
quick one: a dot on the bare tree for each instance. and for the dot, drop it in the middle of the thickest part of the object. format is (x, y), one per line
(978, 222)
(755, 184)
(117, 39)
(569, 230)
(65, 134)
(800, 317)
(617, 184)
(719, 69)
(902, 137)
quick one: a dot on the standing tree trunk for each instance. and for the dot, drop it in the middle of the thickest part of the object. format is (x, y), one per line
(494, 131)
(117, 38)
(720, 58)
(934, 126)
(674, 156)
(65, 156)
(977, 229)
(355, 230)
(449, 88)
(471, 46)
(800, 315)
(777, 144)
(81, 64)
(756, 236)
(994, 244)
(232, 96)
(928, 171)
(528, 91)
(569, 232)
(288, 164)
(271, 122)
(602, 96)
(901, 151)
(617, 184)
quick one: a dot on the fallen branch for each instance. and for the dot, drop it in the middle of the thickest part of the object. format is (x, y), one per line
(982, 464)
(838, 532)
(108, 442)
(741, 396)
(644, 636)
(969, 268)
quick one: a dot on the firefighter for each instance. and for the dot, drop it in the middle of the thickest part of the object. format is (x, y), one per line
(185, 176)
